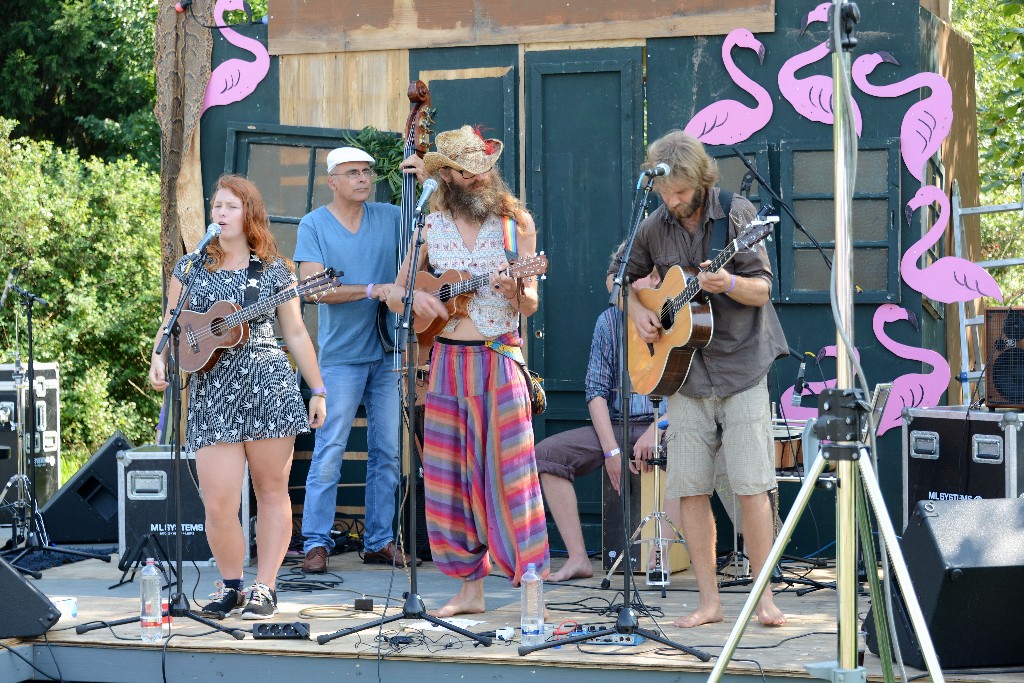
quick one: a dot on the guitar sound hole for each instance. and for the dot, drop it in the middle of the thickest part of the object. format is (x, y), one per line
(218, 328)
(667, 318)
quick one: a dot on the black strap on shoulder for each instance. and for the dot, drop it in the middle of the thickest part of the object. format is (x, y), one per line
(720, 227)
(252, 281)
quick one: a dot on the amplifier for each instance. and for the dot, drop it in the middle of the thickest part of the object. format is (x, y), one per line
(145, 500)
(950, 453)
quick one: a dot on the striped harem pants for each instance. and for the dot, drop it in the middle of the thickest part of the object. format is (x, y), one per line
(483, 498)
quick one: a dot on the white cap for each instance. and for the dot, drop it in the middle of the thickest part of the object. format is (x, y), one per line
(346, 154)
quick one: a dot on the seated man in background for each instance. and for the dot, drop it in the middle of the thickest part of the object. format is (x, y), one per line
(576, 452)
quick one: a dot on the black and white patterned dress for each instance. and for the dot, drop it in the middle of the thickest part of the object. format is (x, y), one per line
(251, 392)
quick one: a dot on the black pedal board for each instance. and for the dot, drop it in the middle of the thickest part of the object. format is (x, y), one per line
(299, 630)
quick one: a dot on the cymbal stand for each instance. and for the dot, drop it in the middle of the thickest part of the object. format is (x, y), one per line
(660, 574)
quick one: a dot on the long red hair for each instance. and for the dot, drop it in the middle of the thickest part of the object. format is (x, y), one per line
(255, 223)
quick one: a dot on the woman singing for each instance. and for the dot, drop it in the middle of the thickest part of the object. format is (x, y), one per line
(247, 408)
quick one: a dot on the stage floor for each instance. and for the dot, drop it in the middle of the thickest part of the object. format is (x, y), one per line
(325, 602)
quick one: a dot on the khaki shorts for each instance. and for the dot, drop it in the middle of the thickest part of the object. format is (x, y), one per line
(739, 425)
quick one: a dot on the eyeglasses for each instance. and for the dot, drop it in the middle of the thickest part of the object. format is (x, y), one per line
(466, 175)
(355, 173)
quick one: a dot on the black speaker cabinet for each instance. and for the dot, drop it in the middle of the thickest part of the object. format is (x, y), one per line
(950, 453)
(24, 611)
(1004, 354)
(84, 510)
(966, 564)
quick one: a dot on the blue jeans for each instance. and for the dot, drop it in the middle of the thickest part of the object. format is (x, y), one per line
(376, 386)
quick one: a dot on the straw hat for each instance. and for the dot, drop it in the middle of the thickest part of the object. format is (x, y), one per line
(464, 149)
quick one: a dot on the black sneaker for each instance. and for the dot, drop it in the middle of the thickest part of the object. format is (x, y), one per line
(225, 601)
(262, 602)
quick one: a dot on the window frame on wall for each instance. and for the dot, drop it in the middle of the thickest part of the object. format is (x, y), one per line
(792, 243)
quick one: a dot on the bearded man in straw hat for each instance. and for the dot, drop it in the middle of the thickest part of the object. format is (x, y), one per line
(483, 498)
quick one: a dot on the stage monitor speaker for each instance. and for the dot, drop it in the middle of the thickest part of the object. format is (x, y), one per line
(1004, 354)
(24, 611)
(84, 510)
(966, 563)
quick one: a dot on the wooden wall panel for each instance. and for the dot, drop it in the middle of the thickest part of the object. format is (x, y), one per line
(305, 26)
(346, 90)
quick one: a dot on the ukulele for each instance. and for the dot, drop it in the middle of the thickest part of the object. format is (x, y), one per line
(204, 336)
(417, 140)
(455, 288)
(661, 367)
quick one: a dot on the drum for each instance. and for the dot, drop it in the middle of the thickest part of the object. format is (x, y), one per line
(788, 447)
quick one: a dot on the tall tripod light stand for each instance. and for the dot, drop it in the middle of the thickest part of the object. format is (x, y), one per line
(34, 541)
(413, 608)
(843, 412)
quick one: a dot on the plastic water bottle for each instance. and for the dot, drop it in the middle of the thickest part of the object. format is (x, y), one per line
(151, 614)
(532, 600)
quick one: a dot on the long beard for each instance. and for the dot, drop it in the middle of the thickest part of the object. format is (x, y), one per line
(477, 203)
(682, 213)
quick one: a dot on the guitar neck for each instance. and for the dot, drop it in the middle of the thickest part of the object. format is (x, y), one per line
(465, 286)
(260, 307)
(693, 287)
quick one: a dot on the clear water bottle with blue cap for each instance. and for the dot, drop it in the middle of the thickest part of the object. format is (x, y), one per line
(532, 617)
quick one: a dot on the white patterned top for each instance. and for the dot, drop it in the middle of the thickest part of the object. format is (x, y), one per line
(488, 309)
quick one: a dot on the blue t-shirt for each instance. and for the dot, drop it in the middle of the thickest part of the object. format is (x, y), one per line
(347, 333)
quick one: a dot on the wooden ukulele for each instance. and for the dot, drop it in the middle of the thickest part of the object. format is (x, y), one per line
(661, 367)
(455, 288)
(417, 140)
(204, 336)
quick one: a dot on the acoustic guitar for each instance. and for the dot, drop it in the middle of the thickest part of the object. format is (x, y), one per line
(204, 336)
(455, 288)
(417, 140)
(684, 310)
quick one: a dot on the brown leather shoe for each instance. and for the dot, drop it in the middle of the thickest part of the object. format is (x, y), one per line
(316, 561)
(389, 554)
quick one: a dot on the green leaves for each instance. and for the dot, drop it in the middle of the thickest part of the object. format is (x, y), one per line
(86, 233)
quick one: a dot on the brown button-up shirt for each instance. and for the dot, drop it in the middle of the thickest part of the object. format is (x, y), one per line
(746, 339)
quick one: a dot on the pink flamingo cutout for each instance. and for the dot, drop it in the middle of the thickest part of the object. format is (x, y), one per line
(949, 279)
(811, 96)
(727, 122)
(792, 412)
(926, 123)
(913, 390)
(235, 79)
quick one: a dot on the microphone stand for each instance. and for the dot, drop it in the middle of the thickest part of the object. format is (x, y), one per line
(179, 605)
(413, 607)
(752, 172)
(627, 622)
(36, 539)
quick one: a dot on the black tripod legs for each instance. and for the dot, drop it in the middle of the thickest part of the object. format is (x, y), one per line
(412, 609)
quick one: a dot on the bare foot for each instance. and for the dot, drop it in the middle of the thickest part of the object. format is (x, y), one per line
(768, 614)
(573, 569)
(469, 600)
(701, 615)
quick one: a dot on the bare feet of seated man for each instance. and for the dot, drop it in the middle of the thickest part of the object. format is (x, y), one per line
(572, 569)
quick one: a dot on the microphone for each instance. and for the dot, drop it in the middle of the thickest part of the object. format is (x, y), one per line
(179, 7)
(798, 388)
(212, 231)
(428, 189)
(7, 287)
(661, 169)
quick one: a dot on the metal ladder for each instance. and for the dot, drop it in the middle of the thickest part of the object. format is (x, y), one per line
(968, 314)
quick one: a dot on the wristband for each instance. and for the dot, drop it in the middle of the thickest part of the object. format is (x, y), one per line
(321, 391)
(369, 290)
(733, 285)
(612, 453)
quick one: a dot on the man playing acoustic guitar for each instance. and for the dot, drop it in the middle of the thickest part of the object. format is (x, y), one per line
(723, 401)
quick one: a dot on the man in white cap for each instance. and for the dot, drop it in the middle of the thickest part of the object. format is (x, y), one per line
(359, 238)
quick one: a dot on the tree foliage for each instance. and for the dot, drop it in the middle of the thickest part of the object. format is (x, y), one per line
(86, 233)
(80, 74)
(994, 28)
